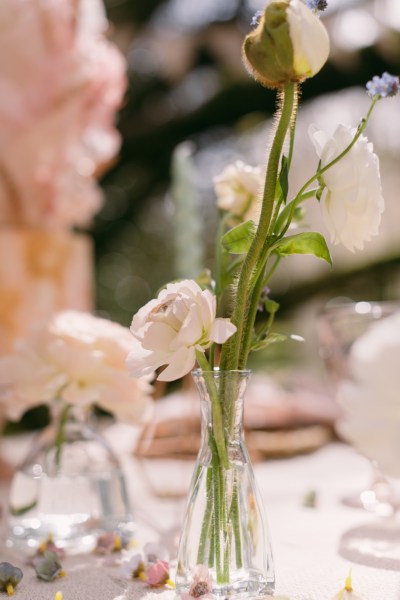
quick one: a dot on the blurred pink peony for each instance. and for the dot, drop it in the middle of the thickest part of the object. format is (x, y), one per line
(76, 357)
(62, 83)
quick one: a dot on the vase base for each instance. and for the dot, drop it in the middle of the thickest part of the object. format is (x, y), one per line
(73, 538)
(254, 585)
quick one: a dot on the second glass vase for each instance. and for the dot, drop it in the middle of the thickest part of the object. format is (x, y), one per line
(69, 487)
(224, 548)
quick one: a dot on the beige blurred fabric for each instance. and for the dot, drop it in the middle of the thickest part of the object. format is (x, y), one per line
(314, 547)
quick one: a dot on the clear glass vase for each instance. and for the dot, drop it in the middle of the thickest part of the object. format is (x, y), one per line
(70, 486)
(224, 536)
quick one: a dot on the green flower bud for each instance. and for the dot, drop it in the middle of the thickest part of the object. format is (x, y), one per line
(289, 44)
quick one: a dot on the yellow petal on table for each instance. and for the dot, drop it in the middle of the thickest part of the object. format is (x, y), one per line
(347, 593)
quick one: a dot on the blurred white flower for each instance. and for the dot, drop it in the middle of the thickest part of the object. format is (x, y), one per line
(132, 565)
(169, 330)
(238, 189)
(78, 358)
(370, 398)
(353, 203)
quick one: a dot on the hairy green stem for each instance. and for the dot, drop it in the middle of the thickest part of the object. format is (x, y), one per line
(250, 319)
(233, 347)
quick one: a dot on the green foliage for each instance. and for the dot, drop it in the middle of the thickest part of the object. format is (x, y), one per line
(271, 338)
(304, 243)
(238, 239)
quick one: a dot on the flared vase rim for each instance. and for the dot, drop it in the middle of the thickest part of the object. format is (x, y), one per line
(217, 371)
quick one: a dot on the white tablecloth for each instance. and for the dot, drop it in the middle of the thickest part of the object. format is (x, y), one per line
(314, 548)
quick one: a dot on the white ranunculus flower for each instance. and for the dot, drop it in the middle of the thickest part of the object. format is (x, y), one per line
(352, 204)
(79, 358)
(290, 43)
(169, 330)
(238, 190)
(370, 399)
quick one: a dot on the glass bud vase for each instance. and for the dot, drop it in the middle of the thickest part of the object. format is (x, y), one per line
(224, 548)
(69, 487)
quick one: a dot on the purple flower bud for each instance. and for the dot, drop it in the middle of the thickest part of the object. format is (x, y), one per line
(10, 576)
(47, 566)
(317, 5)
(256, 18)
(383, 87)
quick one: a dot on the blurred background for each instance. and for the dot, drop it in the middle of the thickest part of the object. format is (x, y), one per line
(191, 108)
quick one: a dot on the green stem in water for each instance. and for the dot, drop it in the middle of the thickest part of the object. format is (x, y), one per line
(232, 348)
(60, 436)
(234, 510)
(206, 525)
(218, 425)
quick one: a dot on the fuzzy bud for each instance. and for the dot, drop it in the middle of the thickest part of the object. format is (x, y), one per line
(289, 44)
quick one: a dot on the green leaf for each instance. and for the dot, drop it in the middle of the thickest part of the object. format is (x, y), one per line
(272, 338)
(304, 243)
(284, 178)
(238, 240)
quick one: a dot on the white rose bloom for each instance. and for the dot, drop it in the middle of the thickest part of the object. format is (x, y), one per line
(352, 204)
(169, 330)
(370, 398)
(238, 189)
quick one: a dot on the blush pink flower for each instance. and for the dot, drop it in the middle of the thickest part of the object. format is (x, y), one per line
(158, 574)
(202, 582)
(59, 94)
(169, 330)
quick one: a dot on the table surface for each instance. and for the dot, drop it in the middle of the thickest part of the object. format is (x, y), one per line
(314, 548)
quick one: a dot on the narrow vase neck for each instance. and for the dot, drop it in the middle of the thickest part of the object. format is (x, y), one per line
(230, 388)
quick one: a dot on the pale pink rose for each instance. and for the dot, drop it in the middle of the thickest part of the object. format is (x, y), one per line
(79, 358)
(169, 330)
(202, 582)
(352, 203)
(58, 97)
(238, 189)
(158, 573)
